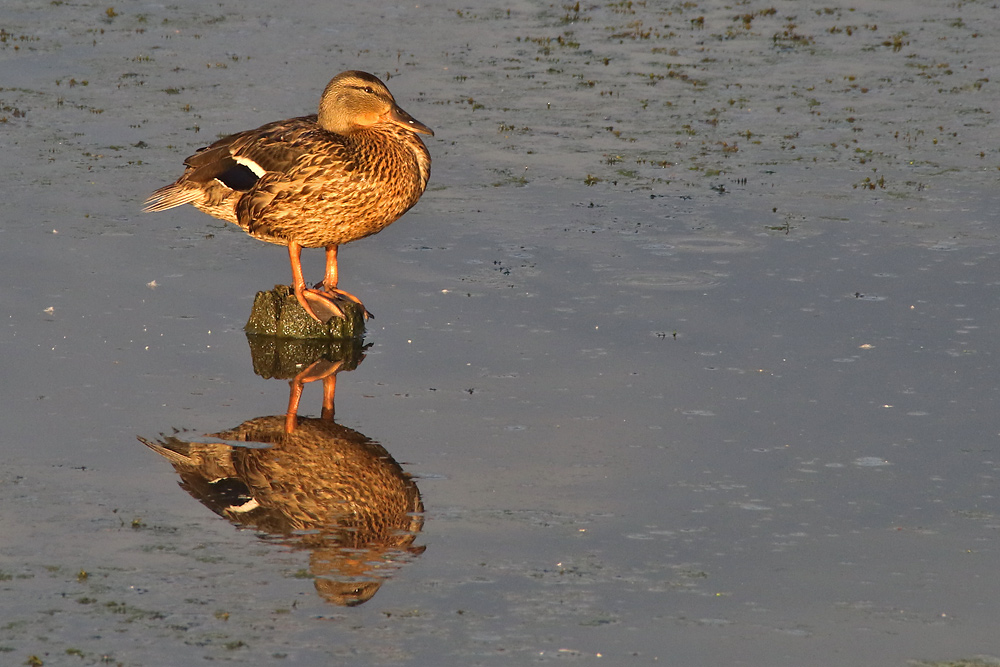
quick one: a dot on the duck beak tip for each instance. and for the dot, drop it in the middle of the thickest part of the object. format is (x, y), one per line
(407, 121)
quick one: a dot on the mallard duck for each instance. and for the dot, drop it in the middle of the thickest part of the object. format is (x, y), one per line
(316, 181)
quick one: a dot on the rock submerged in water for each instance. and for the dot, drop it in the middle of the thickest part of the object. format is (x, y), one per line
(277, 313)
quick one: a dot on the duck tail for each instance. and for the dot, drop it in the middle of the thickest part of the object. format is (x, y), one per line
(165, 450)
(170, 196)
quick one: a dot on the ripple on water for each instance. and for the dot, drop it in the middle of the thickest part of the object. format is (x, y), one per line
(699, 244)
(870, 462)
(668, 280)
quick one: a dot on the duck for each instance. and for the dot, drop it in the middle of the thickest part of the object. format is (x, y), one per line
(316, 181)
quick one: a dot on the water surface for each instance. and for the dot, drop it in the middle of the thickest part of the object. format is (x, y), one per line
(687, 347)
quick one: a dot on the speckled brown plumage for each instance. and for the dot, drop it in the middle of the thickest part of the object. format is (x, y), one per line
(315, 181)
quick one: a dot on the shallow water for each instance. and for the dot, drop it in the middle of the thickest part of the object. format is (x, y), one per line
(687, 347)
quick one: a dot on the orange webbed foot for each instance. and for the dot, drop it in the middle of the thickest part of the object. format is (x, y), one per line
(319, 305)
(324, 304)
(338, 294)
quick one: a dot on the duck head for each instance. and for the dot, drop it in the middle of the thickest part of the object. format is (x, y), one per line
(355, 100)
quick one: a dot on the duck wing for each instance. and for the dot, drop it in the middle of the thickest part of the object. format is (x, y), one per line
(239, 160)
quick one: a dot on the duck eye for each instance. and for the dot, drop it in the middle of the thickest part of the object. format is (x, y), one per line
(369, 90)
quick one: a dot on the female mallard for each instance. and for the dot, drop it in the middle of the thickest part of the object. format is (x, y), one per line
(314, 181)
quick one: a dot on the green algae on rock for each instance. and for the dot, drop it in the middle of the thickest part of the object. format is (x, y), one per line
(278, 313)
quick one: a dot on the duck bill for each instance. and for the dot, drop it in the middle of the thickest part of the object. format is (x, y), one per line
(408, 122)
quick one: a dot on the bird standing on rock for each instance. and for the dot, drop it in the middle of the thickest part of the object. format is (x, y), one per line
(315, 181)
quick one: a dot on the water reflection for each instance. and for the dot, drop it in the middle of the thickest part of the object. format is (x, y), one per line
(308, 483)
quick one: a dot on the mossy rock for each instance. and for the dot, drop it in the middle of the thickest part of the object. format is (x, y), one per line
(278, 313)
(284, 358)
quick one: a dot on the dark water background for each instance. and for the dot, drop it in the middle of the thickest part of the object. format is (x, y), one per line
(689, 346)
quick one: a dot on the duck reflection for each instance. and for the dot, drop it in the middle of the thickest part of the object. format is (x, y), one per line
(308, 483)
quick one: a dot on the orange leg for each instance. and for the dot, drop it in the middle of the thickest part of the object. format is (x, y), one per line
(329, 393)
(318, 370)
(331, 280)
(292, 413)
(311, 300)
